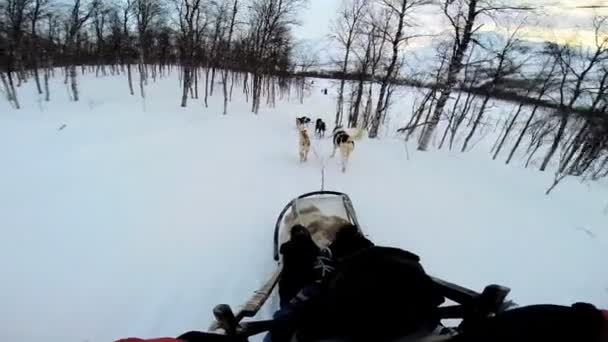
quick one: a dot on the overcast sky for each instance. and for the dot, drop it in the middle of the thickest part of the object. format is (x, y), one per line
(555, 20)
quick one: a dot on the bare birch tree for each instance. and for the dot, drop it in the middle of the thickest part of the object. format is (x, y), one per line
(462, 16)
(570, 97)
(400, 11)
(345, 30)
(78, 17)
(227, 46)
(190, 29)
(146, 12)
(502, 65)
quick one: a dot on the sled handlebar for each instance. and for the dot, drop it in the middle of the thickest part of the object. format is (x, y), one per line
(471, 303)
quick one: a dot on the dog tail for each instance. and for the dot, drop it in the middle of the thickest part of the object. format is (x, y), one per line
(357, 133)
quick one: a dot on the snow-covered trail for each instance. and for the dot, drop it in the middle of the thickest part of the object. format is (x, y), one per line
(131, 222)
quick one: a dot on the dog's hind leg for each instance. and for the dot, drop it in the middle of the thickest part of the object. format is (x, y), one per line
(345, 150)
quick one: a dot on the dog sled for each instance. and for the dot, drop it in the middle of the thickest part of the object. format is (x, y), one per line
(321, 212)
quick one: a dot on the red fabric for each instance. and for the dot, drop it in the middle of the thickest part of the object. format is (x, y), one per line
(161, 339)
(605, 313)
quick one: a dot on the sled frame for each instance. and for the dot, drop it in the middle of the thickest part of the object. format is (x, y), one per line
(346, 201)
(470, 304)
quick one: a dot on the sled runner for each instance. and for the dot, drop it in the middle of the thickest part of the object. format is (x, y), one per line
(319, 209)
(321, 213)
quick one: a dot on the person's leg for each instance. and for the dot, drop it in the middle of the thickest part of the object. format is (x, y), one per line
(299, 255)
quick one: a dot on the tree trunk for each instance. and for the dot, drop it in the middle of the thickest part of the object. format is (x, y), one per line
(507, 131)
(246, 87)
(340, 103)
(368, 106)
(453, 70)
(225, 90)
(12, 89)
(446, 131)
(468, 104)
(232, 85)
(377, 116)
(195, 83)
(596, 173)
(558, 137)
(225, 69)
(428, 114)
(476, 123)
(212, 81)
(382, 104)
(142, 79)
(354, 120)
(538, 144)
(206, 87)
(573, 148)
(191, 88)
(186, 78)
(74, 82)
(451, 122)
(37, 78)
(529, 121)
(47, 93)
(130, 78)
(254, 92)
(7, 88)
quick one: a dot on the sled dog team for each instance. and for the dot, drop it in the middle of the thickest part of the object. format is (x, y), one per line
(342, 140)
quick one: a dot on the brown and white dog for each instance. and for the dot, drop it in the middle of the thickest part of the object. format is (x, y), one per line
(303, 143)
(343, 142)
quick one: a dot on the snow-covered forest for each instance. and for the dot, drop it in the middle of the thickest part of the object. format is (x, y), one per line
(147, 146)
(556, 91)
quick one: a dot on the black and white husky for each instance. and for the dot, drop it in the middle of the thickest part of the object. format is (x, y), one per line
(343, 142)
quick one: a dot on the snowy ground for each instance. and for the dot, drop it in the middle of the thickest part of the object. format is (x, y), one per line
(136, 219)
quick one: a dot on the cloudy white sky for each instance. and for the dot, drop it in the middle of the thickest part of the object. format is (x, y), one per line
(554, 20)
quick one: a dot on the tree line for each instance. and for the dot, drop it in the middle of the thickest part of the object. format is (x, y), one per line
(559, 105)
(248, 42)
(558, 93)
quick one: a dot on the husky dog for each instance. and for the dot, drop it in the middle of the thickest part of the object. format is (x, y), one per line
(343, 142)
(320, 128)
(303, 144)
(302, 121)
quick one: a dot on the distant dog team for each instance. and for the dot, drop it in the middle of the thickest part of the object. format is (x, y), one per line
(342, 140)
